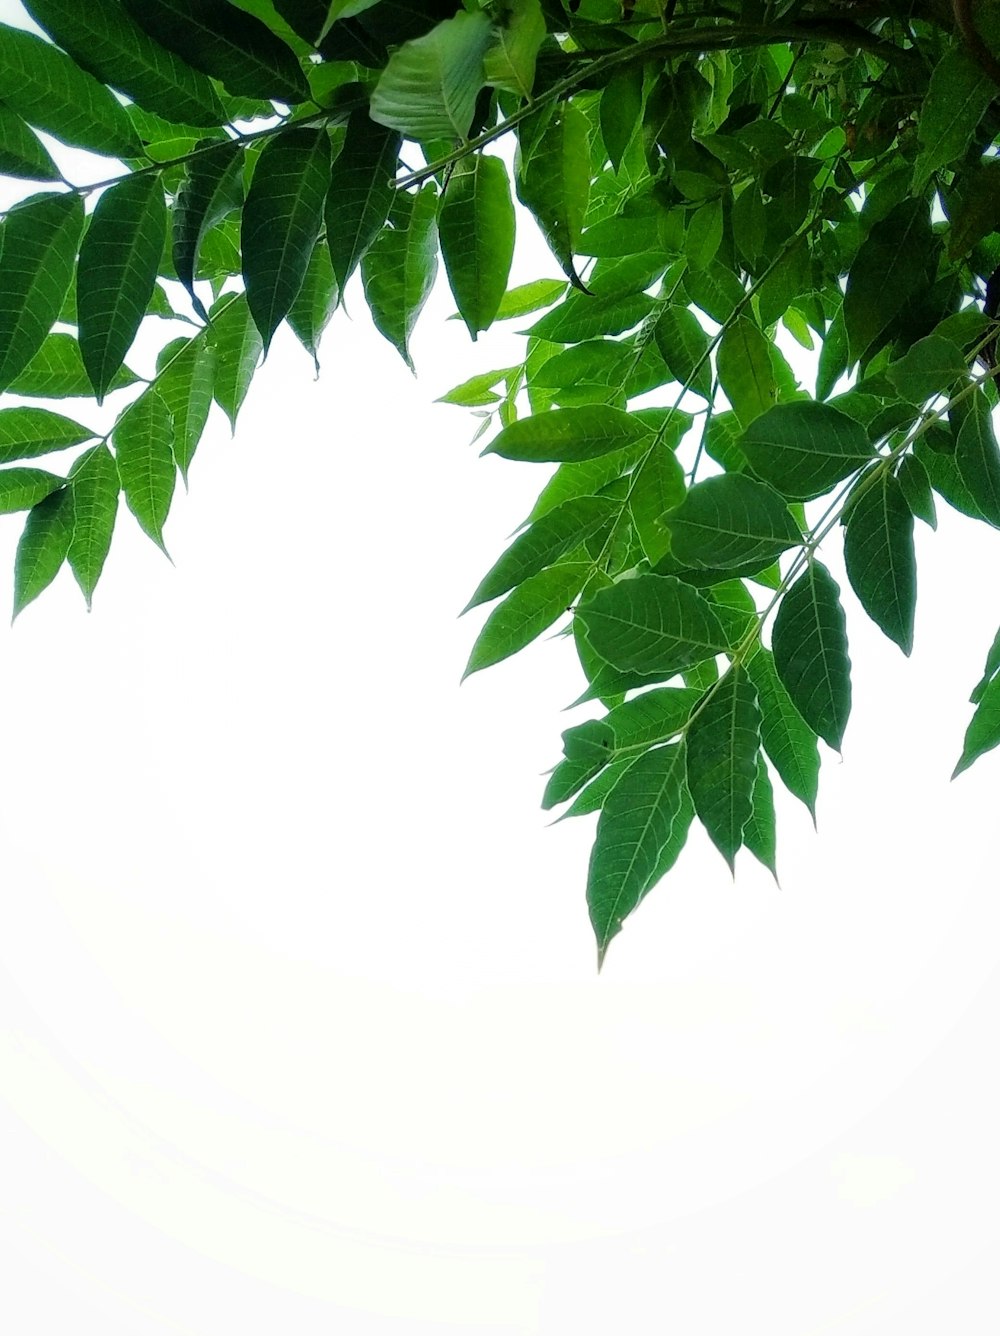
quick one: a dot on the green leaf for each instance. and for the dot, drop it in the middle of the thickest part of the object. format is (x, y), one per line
(22, 153)
(104, 40)
(44, 86)
(185, 385)
(959, 93)
(476, 223)
(621, 112)
(530, 297)
(881, 563)
(652, 624)
(684, 346)
(945, 478)
(544, 543)
(119, 258)
(56, 372)
(43, 547)
(715, 290)
(586, 478)
(399, 270)
(361, 192)
(143, 439)
(526, 613)
(554, 184)
(704, 234)
(20, 488)
(592, 798)
(759, 833)
(429, 88)
(570, 434)
(231, 46)
(26, 433)
(983, 733)
(314, 307)
(568, 778)
(582, 317)
(212, 188)
(787, 738)
(888, 270)
(635, 826)
(238, 347)
(930, 366)
(40, 239)
(810, 653)
(978, 460)
(282, 218)
(723, 743)
(977, 212)
(730, 522)
(657, 487)
(510, 61)
(745, 371)
(95, 487)
(990, 671)
(805, 448)
(916, 487)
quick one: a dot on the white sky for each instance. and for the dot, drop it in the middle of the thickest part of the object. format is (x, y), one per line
(300, 1028)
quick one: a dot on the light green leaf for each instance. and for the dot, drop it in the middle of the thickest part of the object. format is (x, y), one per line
(990, 671)
(399, 270)
(21, 488)
(978, 459)
(586, 478)
(731, 522)
(657, 487)
(185, 385)
(959, 93)
(43, 547)
(715, 290)
(745, 371)
(881, 564)
(526, 613)
(759, 833)
(40, 238)
(582, 317)
(282, 218)
(983, 733)
(361, 192)
(553, 182)
(635, 826)
(22, 153)
(212, 188)
(544, 543)
(591, 799)
(238, 347)
(653, 624)
(704, 234)
(231, 46)
(787, 738)
(655, 716)
(621, 112)
(930, 366)
(810, 653)
(103, 40)
(95, 487)
(723, 743)
(568, 778)
(119, 257)
(569, 434)
(510, 61)
(26, 433)
(684, 346)
(44, 86)
(314, 307)
(57, 372)
(805, 448)
(143, 440)
(888, 270)
(476, 223)
(530, 297)
(429, 88)
(479, 390)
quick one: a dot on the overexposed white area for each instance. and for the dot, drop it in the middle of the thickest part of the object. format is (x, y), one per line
(300, 1026)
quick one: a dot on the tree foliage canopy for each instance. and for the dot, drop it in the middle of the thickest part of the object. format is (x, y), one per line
(703, 173)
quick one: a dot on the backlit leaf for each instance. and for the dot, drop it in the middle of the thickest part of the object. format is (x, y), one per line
(476, 223)
(888, 270)
(553, 182)
(361, 192)
(684, 345)
(143, 440)
(238, 347)
(22, 488)
(723, 742)
(212, 188)
(569, 434)
(652, 624)
(788, 740)
(26, 433)
(983, 732)
(805, 448)
(809, 644)
(959, 93)
(314, 307)
(429, 88)
(731, 521)
(881, 565)
(95, 487)
(657, 487)
(978, 460)
(57, 372)
(399, 271)
(43, 546)
(185, 385)
(759, 833)
(745, 371)
(22, 153)
(524, 614)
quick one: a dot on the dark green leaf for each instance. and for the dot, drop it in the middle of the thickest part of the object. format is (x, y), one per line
(568, 778)
(26, 433)
(978, 460)
(805, 448)
(582, 317)
(22, 153)
(657, 487)
(399, 271)
(361, 192)
(185, 385)
(684, 347)
(56, 372)
(978, 211)
(810, 653)
(543, 544)
(621, 110)
(731, 521)
(653, 624)
(570, 434)
(635, 826)
(40, 239)
(238, 347)
(554, 183)
(591, 799)
(959, 93)
(723, 742)
(930, 366)
(20, 488)
(881, 564)
(119, 257)
(916, 487)
(143, 440)
(945, 478)
(314, 307)
(282, 218)
(429, 88)
(745, 371)
(211, 189)
(476, 222)
(787, 738)
(44, 86)
(526, 613)
(759, 833)
(655, 716)
(983, 732)
(888, 271)
(105, 41)
(43, 546)
(95, 487)
(715, 290)
(217, 39)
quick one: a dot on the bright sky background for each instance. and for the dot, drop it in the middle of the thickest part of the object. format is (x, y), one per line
(300, 1028)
